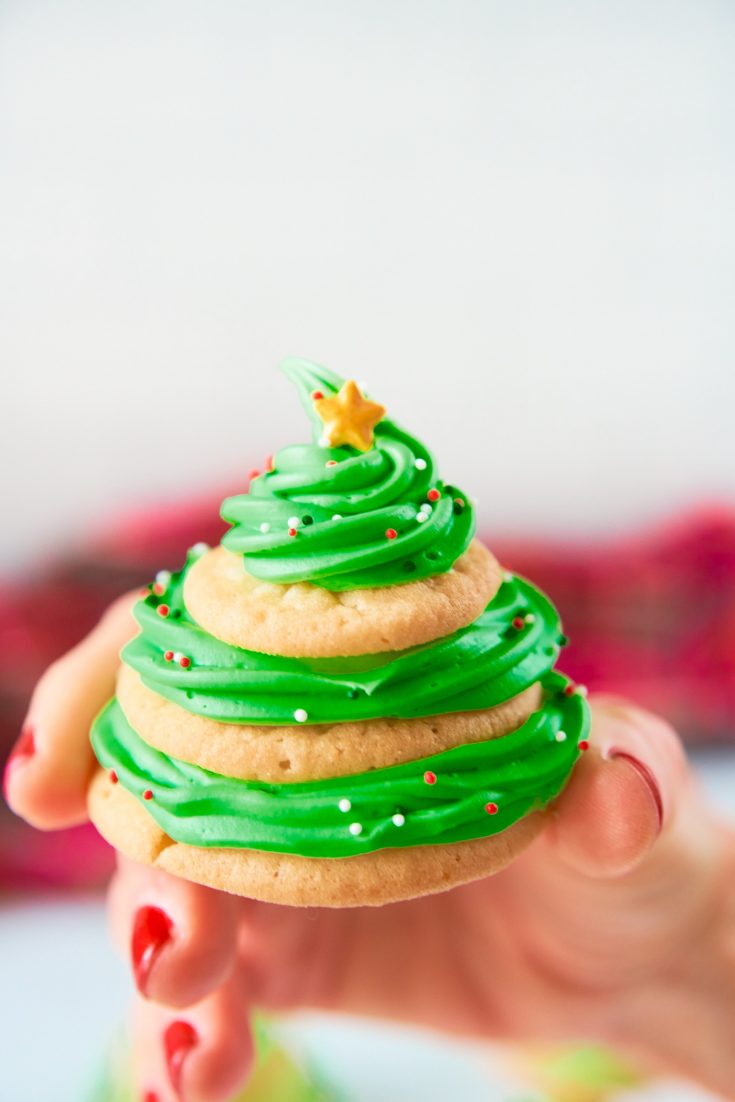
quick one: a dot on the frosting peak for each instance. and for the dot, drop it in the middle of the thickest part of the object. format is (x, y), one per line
(351, 516)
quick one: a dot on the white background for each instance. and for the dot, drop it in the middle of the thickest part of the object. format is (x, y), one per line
(514, 220)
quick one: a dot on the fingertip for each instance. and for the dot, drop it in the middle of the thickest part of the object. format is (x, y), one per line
(47, 775)
(36, 790)
(203, 1054)
(622, 730)
(623, 793)
(181, 937)
(223, 1059)
(608, 818)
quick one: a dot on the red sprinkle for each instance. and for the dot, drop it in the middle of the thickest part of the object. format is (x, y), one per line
(113, 776)
(147, 795)
(568, 689)
(158, 589)
(492, 809)
(460, 501)
(331, 462)
(169, 656)
(430, 777)
(390, 533)
(518, 622)
(317, 395)
(253, 474)
(269, 462)
(433, 495)
(184, 662)
(292, 531)
(583, 744)
(163, 610)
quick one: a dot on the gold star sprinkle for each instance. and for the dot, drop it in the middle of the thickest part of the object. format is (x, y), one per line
(349, 418)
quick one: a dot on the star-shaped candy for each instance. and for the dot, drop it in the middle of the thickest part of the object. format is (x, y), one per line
(349, 418)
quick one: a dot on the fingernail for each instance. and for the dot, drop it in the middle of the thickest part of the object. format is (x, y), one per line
(150, 1096)
(178, 1041)
(645, 773)
(23, 750)
(152, 929)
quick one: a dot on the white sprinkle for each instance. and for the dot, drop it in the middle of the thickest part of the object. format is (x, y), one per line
(529, 618)
(420, 464)
(200, 548)
(426, 508)
(561, 736)
(507, 576)
(301, 715)
(163, 577)
(399, 819)
(265, 527)
(337, 516)
(293, 522)
(355, 828)
(421, 517)
(582, 690)
(178, 656)
(324, 442)
(345, 805)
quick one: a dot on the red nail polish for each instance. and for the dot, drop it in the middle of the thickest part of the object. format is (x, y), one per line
(646, 774)
(24, 749)
(178, 1041)
(150, 1096)
(152, 929)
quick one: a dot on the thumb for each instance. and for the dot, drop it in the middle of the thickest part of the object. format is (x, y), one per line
(624, 792)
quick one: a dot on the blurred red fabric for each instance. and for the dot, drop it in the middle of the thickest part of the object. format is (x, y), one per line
(651, 617)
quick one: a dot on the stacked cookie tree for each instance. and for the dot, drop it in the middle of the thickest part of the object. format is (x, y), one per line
(348, 702)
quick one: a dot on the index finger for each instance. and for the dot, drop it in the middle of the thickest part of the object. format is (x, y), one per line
(49, 769)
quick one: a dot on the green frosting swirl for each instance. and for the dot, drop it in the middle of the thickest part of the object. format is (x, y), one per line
(370, 492)
(514, 642)
(479, 789)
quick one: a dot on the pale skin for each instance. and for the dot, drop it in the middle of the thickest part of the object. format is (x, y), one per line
(617, 925)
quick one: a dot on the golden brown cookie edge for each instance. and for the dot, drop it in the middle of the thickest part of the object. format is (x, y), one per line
(307, 621)
(366, 880)
(297, 753)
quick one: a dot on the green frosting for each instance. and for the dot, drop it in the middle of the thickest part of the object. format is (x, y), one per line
(478, 789)
(372, 492)
(479, 666)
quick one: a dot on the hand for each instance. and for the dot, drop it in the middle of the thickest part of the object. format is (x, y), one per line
(617, 925)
